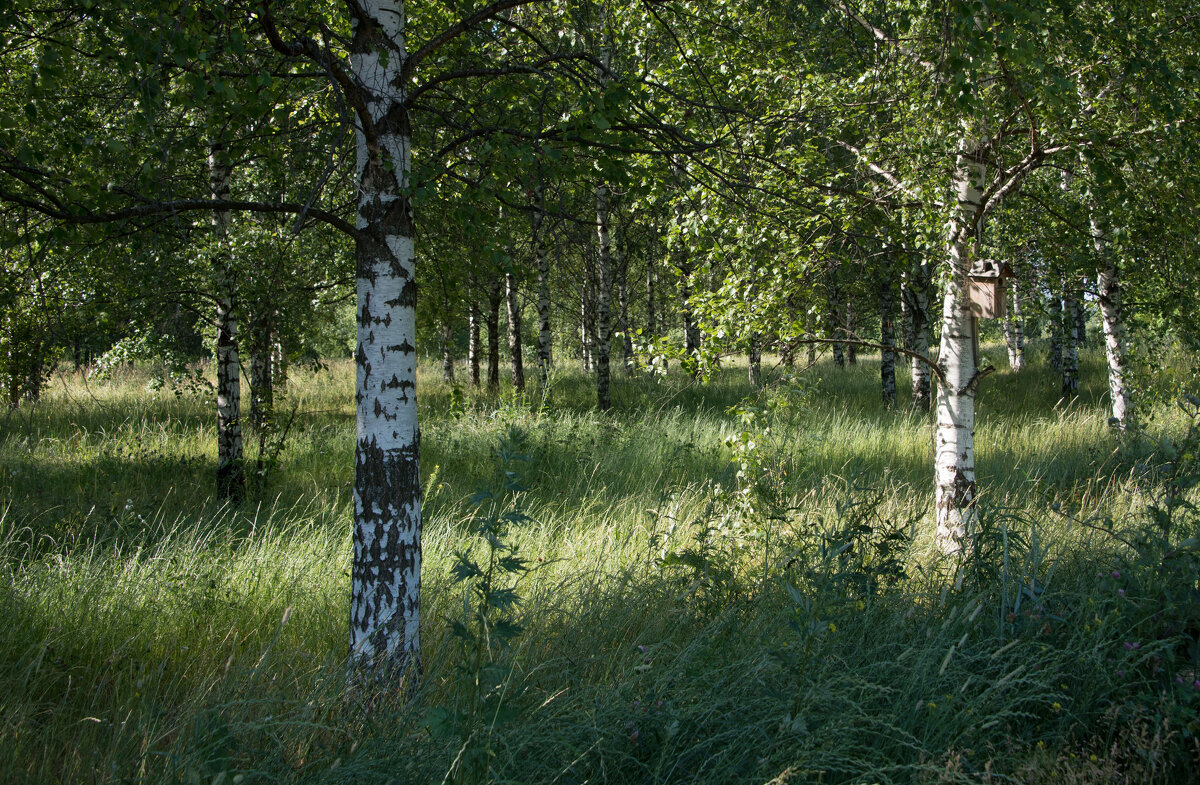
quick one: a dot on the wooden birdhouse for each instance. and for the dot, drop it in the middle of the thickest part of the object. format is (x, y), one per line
(986, 284)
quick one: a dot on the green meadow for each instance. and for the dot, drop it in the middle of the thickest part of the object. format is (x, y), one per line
(710, 583)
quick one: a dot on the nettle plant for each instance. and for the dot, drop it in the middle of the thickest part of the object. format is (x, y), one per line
(487, 571)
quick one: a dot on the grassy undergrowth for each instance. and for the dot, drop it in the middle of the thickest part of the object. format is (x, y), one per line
(725, 585)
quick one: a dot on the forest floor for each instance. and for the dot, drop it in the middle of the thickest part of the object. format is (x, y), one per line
(724, 585)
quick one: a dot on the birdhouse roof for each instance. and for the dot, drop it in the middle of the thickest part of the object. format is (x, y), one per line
(990, 268)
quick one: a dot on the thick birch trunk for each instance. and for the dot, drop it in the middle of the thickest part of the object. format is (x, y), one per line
(386, 574)
(916, 294)
(493, 331)
(231, 481)
(603, 299)
(1108, 287)
(651, 312)
(954, 440)
(515, 355)
(473, 319)
(887, 338)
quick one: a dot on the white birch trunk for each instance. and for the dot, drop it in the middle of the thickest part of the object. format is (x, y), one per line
(836, 332)
(587, 317)
(515, 355)
(954, 440)
(916, 299)
(473, 319)
(1108, 287)
(386, 575)
(231, 482)
(754, 372)
(887, 338)
(1070, 345)
(1056, 331)
(603, 299)
(622, 281)
(851, 332)
(1014, 330)
(495, 290)
(542, 254)
(447, 349)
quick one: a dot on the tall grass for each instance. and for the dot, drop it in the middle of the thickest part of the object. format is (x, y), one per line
(680, 623)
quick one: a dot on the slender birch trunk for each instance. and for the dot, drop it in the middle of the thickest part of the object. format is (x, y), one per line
(386, 573)
(1108, 287)
(587, 317)
(1014, 330)
(850, 330)
(515, 355)
(887, 338)
(447, 350)
(262, 369)
(833, 298)
(954, 439)
(473, 318)
(1056, 331)
(493, 331)
(542, 254)
(604, 267)
(683, 263)
(622, 273)
(1070, 344)
(916, 296)
(651, 312)
(810, 332)
(754, 353)
(231, 481)
(1080, 317)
